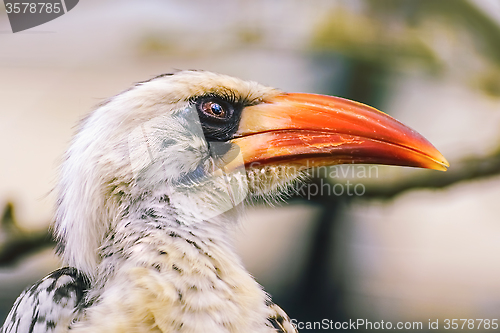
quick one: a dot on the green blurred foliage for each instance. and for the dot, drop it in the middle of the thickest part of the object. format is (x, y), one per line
(388, 33)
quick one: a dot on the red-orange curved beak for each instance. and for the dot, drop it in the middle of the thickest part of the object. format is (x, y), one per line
(309, 130)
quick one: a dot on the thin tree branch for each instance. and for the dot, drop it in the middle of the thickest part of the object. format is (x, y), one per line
(465, 170)
(19, 242)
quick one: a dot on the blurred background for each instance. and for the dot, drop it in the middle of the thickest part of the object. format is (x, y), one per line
(418, 245)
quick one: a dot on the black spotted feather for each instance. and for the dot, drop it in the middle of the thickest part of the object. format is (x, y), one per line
(49, 305)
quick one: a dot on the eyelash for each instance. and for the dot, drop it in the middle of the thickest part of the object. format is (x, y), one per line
(227, 106)
(225, 96)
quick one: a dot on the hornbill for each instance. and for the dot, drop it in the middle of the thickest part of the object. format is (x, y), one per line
(151, 189)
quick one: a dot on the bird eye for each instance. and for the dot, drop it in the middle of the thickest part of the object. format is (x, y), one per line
(214, 109)
(219, 117)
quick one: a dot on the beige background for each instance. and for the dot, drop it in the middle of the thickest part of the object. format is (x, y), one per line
(426, 254)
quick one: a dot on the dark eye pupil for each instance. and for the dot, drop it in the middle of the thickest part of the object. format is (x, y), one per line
(216, 109)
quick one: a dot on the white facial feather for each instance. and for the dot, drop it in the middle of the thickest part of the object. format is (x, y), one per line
(135, 142)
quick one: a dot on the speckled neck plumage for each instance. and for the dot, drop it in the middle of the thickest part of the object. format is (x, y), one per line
(177, 273)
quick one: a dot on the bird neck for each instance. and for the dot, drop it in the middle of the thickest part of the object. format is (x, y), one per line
(152, 217)
(193, 269)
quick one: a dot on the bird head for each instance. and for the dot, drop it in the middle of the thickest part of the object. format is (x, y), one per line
(199, 143)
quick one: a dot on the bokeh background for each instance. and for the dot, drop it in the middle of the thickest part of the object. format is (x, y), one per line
(419, 245)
